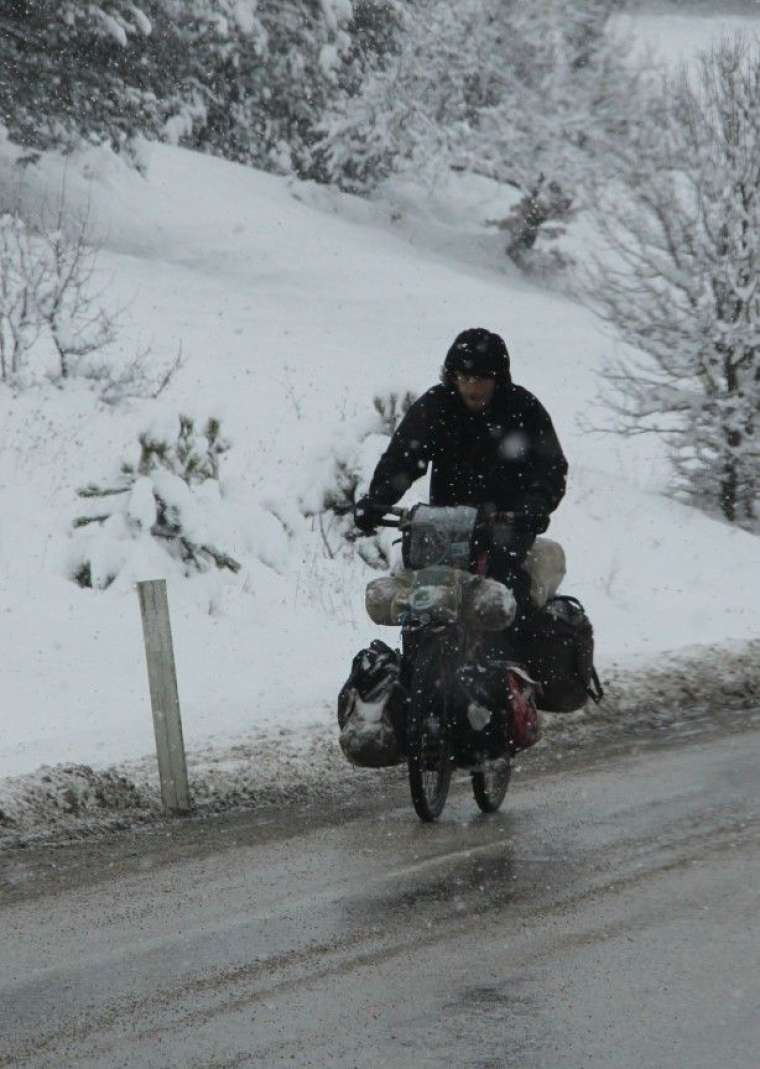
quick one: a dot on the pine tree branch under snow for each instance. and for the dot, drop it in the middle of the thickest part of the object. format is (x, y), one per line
(171, 495)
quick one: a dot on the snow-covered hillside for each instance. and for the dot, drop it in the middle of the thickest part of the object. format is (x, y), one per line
(293, 308)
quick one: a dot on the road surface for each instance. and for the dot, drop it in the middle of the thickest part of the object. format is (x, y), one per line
(608, 917)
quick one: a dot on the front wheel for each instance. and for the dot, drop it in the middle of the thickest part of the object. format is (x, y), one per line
(428, 737)
(489, 783)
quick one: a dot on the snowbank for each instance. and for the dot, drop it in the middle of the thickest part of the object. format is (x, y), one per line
(703, 691)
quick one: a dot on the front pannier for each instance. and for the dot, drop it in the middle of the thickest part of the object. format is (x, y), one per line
(559, 654)
(371, 708)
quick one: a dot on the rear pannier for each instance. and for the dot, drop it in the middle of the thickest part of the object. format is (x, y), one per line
(559, 655)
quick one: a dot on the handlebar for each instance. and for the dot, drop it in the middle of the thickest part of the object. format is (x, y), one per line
(402, 517)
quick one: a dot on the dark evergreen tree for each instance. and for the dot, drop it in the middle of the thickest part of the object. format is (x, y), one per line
(249, 80)
(268, 81)
(76, 72)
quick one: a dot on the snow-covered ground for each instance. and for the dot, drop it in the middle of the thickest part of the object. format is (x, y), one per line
(293, 307)
(675, 36)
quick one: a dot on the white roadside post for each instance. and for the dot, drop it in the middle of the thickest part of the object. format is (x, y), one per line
(164, 699)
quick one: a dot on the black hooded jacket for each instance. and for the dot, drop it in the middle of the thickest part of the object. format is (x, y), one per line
(507, 458)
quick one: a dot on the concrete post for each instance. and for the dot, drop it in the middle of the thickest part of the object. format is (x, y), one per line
(164, 698)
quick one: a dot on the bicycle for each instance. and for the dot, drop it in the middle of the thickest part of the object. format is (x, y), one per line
(463, 695)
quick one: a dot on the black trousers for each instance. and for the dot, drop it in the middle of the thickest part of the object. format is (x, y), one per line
(509, 549)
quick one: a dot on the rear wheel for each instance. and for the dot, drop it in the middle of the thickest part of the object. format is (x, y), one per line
(489, 783)
(428, 742)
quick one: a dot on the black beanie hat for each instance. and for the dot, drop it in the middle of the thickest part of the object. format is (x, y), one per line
(478, 352)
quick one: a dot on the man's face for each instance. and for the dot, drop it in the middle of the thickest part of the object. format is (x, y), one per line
(476, 391)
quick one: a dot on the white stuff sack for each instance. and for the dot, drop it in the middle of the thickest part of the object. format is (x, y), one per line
(545, 564)
(443, 594)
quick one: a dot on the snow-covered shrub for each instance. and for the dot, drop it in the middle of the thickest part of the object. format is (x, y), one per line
(53, 325)
(170, 496)
(19, 325)
(534, 222)
(47, 301)
(341, 476)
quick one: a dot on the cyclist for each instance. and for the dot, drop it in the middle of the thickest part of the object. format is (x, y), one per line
(489, 443)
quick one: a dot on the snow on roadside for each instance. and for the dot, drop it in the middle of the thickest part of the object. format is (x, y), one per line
(701, 690)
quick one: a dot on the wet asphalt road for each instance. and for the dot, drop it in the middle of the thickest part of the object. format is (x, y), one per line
(608, 917)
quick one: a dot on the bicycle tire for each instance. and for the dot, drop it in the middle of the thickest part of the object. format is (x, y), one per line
(428, 737)
(490, 783)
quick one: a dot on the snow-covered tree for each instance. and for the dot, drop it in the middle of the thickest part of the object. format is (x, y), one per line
(247, 79)
(526, 94)
(267, 78)
(171, 494)
(681, 280)
(73, 71)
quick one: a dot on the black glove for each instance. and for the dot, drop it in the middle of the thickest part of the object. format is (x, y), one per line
(367, 515)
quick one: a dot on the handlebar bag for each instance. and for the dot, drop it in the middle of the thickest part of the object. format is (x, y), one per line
(439, 535)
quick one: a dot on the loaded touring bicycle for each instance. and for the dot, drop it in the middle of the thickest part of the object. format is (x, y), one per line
(461, 694)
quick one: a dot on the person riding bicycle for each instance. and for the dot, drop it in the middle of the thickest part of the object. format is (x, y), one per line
(489, 443)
